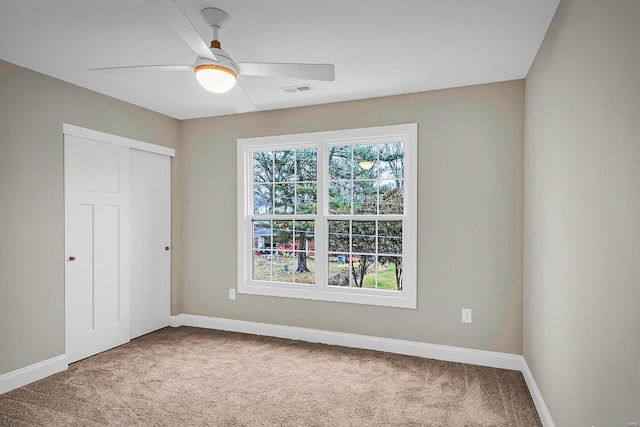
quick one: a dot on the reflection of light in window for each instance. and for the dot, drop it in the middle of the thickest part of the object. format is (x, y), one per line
(366, 165)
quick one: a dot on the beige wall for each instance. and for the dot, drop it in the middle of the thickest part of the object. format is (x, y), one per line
(470, 212)
(470, 156)
(32, 110)
(582, 214)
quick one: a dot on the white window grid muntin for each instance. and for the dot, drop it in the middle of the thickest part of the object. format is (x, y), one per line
(364, 141)
(252, 216)
(376, 160)
(296, 200)
(377, 254)
(271, 275)
(274, 183)
(321, 183)
(271, 250)
(351, 278)
(320, 291)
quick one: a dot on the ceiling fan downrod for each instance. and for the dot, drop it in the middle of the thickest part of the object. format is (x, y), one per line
(215, 43)
(215, 18)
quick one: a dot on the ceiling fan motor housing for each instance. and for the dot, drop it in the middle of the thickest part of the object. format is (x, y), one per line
(223, 61)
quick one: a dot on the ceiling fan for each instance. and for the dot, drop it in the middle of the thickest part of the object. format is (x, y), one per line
(214, 68)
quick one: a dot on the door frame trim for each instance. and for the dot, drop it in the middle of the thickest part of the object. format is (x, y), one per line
(68, 129)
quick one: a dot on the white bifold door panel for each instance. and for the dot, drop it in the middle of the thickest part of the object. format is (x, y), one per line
(150, 242)
(97, 246)
(117, 242)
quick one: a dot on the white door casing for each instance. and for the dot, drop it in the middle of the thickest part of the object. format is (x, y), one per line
(96, 246)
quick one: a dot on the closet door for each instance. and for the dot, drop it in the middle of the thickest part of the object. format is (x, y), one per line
(97, 200)
(150, 241)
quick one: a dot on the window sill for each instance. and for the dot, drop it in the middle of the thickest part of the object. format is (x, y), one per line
(398, 299)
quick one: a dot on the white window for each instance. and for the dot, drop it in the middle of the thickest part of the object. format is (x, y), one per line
(329, 215)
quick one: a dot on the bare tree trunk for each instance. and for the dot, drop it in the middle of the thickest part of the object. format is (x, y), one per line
(361, 271)
(354, 272)
(398, 265)
(302, 257)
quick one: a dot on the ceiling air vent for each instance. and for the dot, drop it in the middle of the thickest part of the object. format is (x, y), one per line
(294, 89)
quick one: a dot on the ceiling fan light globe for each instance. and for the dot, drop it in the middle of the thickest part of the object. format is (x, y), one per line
(215, 78)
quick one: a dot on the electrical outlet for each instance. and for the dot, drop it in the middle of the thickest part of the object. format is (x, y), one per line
(232, 293)
(466, 315)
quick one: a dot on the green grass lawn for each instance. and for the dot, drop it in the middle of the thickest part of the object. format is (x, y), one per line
(386, 278)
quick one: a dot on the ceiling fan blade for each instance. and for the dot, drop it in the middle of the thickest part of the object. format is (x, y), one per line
(176, 18)
(324, 72)
(244, 105)
(138, 68)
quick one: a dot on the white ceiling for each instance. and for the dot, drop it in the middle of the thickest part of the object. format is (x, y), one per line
(378, 47)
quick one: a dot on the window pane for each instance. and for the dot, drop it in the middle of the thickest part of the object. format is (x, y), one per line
(339, 240)
(283, 197)
(263, 166)
(262, 199)
(363, 236)
(261, 267)
(306, 199)
(283, 236)
(261, 235)
(365, 197)
(365, 163)
(360, 269)
(340, 197)
(304, 235)
(284, 166)
(392, 196)
(305, 267)
(390, 228)
(390, 245)
(339, 270)
(306, 164)
(340, 162)
(283, 267)
(370, 276)
(392, 160)
(390, 273)
(390, 237)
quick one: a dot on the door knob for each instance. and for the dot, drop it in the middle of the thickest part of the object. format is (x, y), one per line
(72, 258)
(166, 248)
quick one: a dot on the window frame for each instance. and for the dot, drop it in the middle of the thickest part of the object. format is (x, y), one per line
(322, 141)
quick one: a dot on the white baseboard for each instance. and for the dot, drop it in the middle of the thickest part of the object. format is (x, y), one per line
(543, 411)
(430, 351)
(31, 373)
(411, 348)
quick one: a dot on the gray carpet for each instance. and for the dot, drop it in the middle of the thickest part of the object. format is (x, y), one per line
(193, 377)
